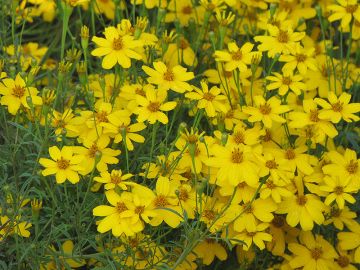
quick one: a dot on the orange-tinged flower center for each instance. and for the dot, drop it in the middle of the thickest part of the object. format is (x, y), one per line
(102, 117)
(301, 200)
(316, 253)
(186, 10)
(183, 194)
(192, 138)
(271, 164)
(251, 234)
(290, 154)
(121, 207)
(63, 164)
(248, 208)
(208, 96)
(140, 92)
(335, 212)
(239, 137)
(300, 57)
(18, 91)
(286, 80)
(169, 75)
(265, 109)
(183, 44)
(283, 37)
(236, 156)
(139, 210)
(278, 221)
(209, 214)
(237, 55)
(314, 115)
(338, 190)
(93, 150)
(351, 8)
(153, 106)
(337, 107)
(343, 261)
(270, 184)
(115, 178)
(118, 44)
(160, 201)
(352, 167)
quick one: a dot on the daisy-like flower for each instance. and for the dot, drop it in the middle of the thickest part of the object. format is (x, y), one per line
(236, 57)
(266, 111)
(345, 11)
(279, 41)
(285, 82)
(351, 240)
(208, 249)
(339, 217)
(313, 253)
(338, 189)
(116, 48)
(257, 236)
(114, 179)
(63, 163)
(13, 226)
(211, 100)
(152, 106)
(337, 108)
(166, 78)
(301, 59)
(16, 93)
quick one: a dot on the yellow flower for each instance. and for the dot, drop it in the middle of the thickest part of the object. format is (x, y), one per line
(339, 217)
(345, 11)
(63, 163)
(183, 10)
(152, 106)
(9, 227)
(16, 93)
(116, 48)
(314, 253)
(266, 111)
(208, 249)
(211, 100)
(279, 41)
(286, 81)
(257, 236)
(166, 78)
(236, 57)
(338, 108)
(351, 240)
(114, 179)
(339, 189)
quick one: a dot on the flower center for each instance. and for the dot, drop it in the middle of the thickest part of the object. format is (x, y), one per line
(265, 109)
(338, 190)
(63, 164)
(278, 221)
(153, 106)
(140, 92)
(251, 234)
(271, 164)
(93, 150)
(351, 8)
(102, 117)
(237, 55)
(236, 156)
(192, 139)
(267, 136)
(270, 184)
(208, 96)
(183, 44)
(283, 37)
(160, 201)
(169, 76)
(121, 207)
(18, 91)
(183, 194)
(316, 253)
(286, 80)
(290, 154)
(300, 57)
(301, 200)
(187, 10)
(239, 137)
(314, 115)
(343, 261)
(352, 167)
(118, 44)
(247, 208)
(115, 178)
(335, 212)
(139, 210)
(337, 107)
(209, 214)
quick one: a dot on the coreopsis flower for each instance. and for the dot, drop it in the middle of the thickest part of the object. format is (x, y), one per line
(183, 10)
(208, 249)
(116, 48)
(174, 78)
(244, 135)
(16, 93)
(339, 217)
(209, 99)
(236, 57)
(180, 52)
(152, 107)
(9, 226)
(115, 216)
(114, 179)
(266, 111)
(63, 122)
(285, 82)
(351, 240)
(313, 253)
(345, 11)
(337, 108)
(279, 41)
(257, 236)
(338, 190)
(310, 117)
(301, 59)
(64, 163)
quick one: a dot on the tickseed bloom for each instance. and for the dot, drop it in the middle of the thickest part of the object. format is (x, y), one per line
(208, 249)
(337, 108)
(211, 100)
(16, 93)
(313, 253)
(63, 163)
(9, 226)
(114, 179)
(153, 105)
(257, 236)
(236, 57)
(285, 82)
(116, 48)
(279, 41)
(266, 111)
(345, 11)
(166, 78)
(351, 240)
